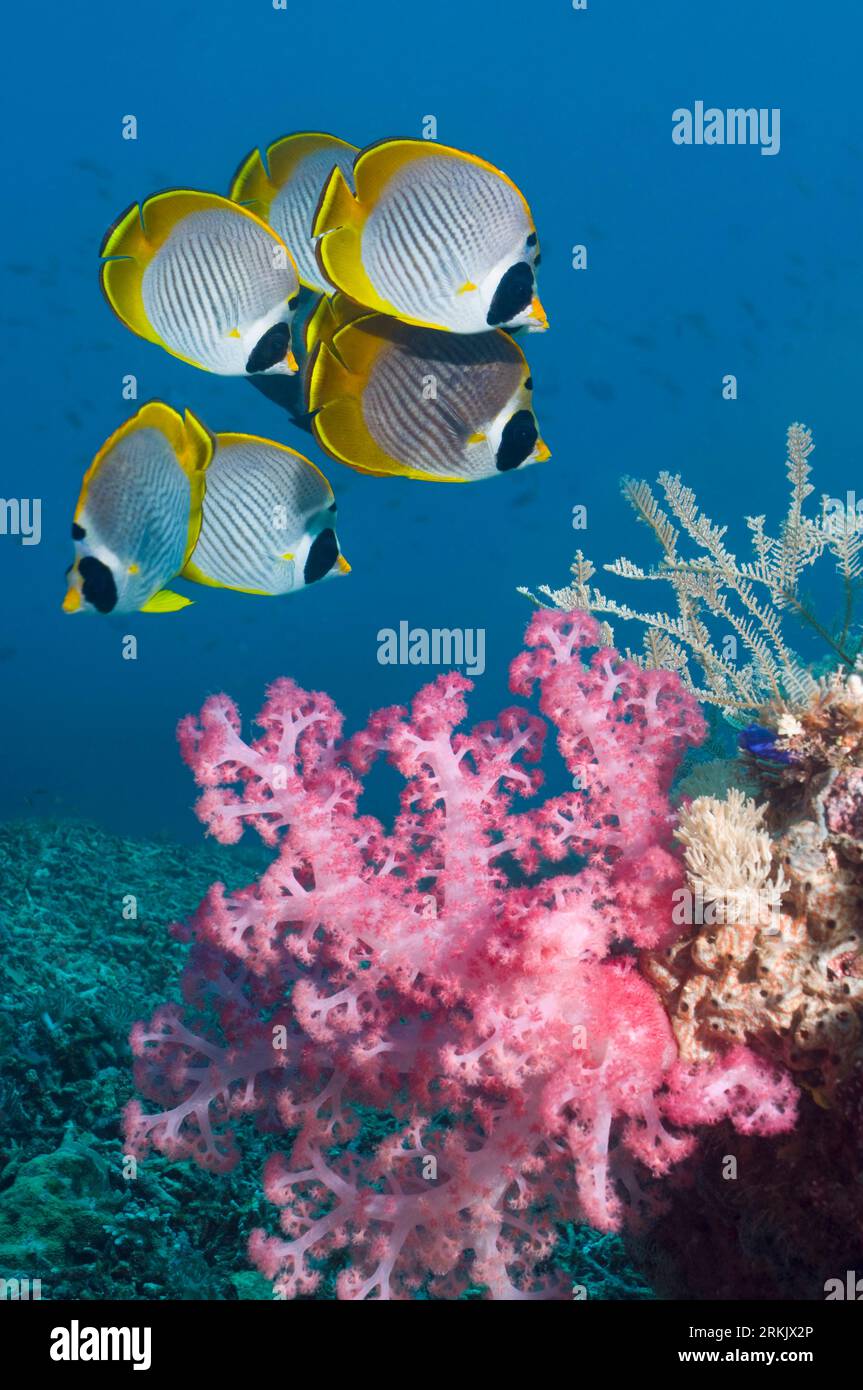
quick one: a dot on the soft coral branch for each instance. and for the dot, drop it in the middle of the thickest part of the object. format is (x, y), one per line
(531, 1077)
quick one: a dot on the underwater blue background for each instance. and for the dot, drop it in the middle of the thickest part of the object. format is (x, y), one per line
(701, 261)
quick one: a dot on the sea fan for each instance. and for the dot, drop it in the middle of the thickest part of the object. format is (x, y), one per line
(748, 598)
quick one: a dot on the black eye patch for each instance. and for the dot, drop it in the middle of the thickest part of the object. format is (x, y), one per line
(270, 349)
(322, 556)
(513, 294)
(517, 441)
(98, 584)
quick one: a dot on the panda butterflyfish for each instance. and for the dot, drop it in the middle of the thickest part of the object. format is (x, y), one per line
(139, 514)
(284, 186)
(268, 522)
(395, 400)
(432, 236)
(164, 499)
(207, 280)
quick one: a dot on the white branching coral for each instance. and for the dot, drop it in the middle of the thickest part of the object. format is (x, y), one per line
(748, 598)
(729, 856)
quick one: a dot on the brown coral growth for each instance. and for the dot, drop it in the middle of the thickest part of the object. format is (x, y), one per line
(776, 959)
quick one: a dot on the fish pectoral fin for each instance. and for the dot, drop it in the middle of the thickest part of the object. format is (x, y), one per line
(467, 287)
(477, 438)
(234, 333)
(165, 601)
(288, 555)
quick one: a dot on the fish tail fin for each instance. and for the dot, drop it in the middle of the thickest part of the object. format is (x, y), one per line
(338, 224)
(330, 314)
(126, 244)
(321, 325)
(339, 221)
(195, 456)
(337, 206)
(252, 185)
(329, 379)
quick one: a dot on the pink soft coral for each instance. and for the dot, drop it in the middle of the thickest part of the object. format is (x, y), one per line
(444, 972)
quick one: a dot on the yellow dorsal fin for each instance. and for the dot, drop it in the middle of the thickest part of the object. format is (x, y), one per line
(165, 601)
(284, 155)
(376, 165)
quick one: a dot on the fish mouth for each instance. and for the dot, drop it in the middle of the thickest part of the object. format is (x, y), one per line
(538, 316)
(72, 601)
(542, 451)
(342, 565)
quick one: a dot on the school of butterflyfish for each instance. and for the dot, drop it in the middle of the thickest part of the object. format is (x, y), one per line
(419, 262)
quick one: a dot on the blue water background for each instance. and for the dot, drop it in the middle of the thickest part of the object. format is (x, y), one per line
(702, 261)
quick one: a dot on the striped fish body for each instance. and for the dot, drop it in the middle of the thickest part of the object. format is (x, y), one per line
(432, 236)
(137, 516)
(139, 511)
(394, 399)
(284, 187)
(215, 288)
(206, 280)
(438, 226)
(268, 523)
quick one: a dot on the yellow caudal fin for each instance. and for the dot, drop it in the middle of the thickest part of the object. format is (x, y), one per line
(360, 342)
(121, 278)
(331, 313)
(252, 186)
(328, 379)
(195, 454)
(321, 325)
(337, 206)
(338, 225)
(166, 601)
